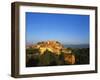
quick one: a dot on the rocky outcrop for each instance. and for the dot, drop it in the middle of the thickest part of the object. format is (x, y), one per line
(56, 48)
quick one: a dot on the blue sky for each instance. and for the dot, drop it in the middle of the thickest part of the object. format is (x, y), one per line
(65, 28)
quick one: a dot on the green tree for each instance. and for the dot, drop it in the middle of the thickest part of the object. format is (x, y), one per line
(48, 59)
(61, 59)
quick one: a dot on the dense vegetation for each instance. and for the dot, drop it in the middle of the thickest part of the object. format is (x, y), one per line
(82, 55)
(47, 59)
(33, 58)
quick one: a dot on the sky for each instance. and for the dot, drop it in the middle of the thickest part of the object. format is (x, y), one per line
(65, 28)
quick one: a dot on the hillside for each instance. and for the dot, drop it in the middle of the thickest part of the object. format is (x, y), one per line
(49, 53)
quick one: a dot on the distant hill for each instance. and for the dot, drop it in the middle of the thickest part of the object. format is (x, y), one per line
(77, 46)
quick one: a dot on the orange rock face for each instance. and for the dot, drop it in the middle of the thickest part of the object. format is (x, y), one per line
(69, 58)
(52, 46)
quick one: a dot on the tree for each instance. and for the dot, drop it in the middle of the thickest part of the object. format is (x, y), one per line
(48, 59)
(61, 59)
